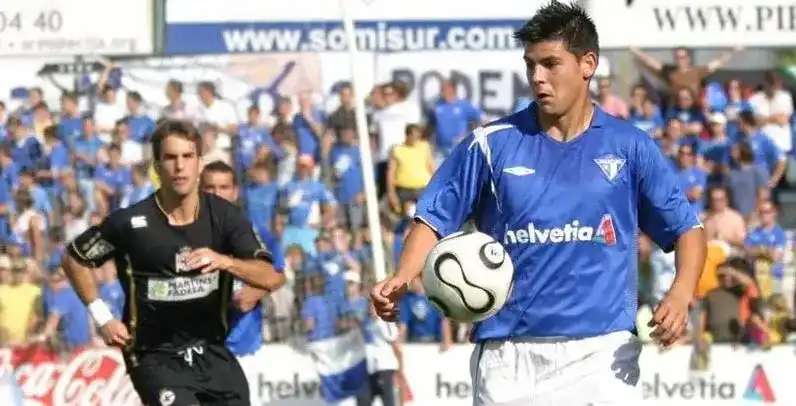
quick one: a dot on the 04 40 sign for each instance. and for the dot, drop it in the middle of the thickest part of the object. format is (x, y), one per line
(94, 377)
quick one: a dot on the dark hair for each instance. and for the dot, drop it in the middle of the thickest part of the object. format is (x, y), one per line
(135, 96)
(115, 147)
(141, 168)
(737, 263)
(181, 129)
(175, 84)
(220, 167)
(747, 117)
(72, 96)
(745, 153)
(41, 106)
(13, 121)
(253, 109)
(52, 132)
(568, 23)
(411, 128)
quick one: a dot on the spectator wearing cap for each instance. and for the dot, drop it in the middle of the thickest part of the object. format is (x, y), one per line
(18, 299)
(309, 126)
(716, 150)
(109, 109)
(355, 308)
(25, 149)
(648, 119)
(141, 125)
(261, 196)
(70, 123)
(765, 246)
(773, 107)
(307, 205)
(66, 316)
(745, 180)
(111, 181)
(176, 108)
(767, 155)
(449, 119)
(347, 174)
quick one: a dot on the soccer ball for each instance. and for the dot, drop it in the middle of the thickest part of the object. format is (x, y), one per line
(468, 276)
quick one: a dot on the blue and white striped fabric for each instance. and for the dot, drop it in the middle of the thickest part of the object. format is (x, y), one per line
(10, 393)
(341, 365)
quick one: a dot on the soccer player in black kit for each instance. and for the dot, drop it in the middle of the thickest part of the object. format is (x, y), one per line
(177, 253)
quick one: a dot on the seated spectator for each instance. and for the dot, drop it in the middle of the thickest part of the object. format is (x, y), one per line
(347, 170)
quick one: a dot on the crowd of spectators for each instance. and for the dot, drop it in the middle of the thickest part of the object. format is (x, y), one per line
(65, 168)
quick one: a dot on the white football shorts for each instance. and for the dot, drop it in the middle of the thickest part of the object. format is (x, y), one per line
(595, 371)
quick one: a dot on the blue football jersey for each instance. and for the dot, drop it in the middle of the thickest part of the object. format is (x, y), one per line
(568, 214)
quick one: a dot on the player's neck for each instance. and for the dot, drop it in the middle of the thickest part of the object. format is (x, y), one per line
(179, 210)
(571, 124)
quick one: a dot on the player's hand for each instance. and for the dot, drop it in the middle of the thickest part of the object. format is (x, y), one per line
(115, 333)
(670, 318)
(385, 296)
(207, 260)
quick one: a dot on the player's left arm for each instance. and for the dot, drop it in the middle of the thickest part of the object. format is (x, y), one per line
(667, 217)
(249, 259)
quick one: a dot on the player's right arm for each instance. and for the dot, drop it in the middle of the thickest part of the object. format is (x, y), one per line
(447, 202)
(90, 250)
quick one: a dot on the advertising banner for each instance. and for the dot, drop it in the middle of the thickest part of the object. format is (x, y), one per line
(247, 26)
(38, 28)
(283, 376)
(704, 23)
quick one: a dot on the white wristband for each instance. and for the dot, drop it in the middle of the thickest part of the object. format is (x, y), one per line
(100, 312)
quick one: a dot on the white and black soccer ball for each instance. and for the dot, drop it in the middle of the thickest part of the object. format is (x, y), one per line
(468, 276)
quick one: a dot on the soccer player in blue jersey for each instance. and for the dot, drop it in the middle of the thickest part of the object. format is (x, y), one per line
(246, 319)
(566, 188)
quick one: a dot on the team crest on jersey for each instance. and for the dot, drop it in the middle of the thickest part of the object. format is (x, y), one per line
(167, 397)
(179, 260)
(610, 165)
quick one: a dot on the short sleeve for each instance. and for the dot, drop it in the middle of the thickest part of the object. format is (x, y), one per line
(452, 194)
(97, 245)
(240, 237)
(664, 211)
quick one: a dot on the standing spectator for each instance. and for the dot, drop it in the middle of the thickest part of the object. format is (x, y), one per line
(87, 155)
(77, 216)
(735, 101)
(6, 204)
(449, 120)
(344, 117)
(54, 159)
(66, 315)
(251, 135)
(42, 119)
(24, 148)
(649, 119)
(41, 201)
(716, 151)
(132, 150)
(70, 124)
(176, 109)
(319, 316)
(30, 225)
(409, 170)
(745, 180)
(308, 205)
(141, 188)
(18, 298)
(693, 179)
(383, 353)
(212, 110)
(10, 169)
(768, 157)
(688, 112)
(308, 125)
(261, 197)
(109, 110)
(773, 107)
(721, 221)
(212, 151)
(390, 123)
(611, 103)
(110, 290)
(355, 308)
(765, 246)
(420, 322)
(683, 74)
(141, 126)
(111, 181)
(347, 170)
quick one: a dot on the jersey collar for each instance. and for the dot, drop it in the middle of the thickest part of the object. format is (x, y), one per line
(597, 120)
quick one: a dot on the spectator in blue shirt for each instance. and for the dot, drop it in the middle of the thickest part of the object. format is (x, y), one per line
(687, 111)
(70, 124)
(767, 156)
(347, 170)
(54, 159)
(66, 314)
(141, 126)
(716, 151)
(308, 124)
(308, 205)
(766, 244)
(110, 289)
(261, 196)
(10, 169)
(319, 317)
(112, 180)
(419, 321)
(693, 179)
(745, 180)
(141, 186)
(356, 307)
(86, 158)
(6, 205)
(449, 119)
(41, 200)
(25, 149)
(649, 120)
(251, 135)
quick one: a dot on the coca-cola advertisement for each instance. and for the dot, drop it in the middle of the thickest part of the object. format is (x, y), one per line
(92, 377)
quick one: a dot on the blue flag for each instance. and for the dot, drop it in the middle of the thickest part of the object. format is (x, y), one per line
(341, 365)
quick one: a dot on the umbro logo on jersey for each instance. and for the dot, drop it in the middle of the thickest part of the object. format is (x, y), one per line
(138, 222)
(610, 165)
(519, 171)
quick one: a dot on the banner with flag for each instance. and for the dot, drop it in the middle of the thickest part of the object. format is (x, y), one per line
(341, 365)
